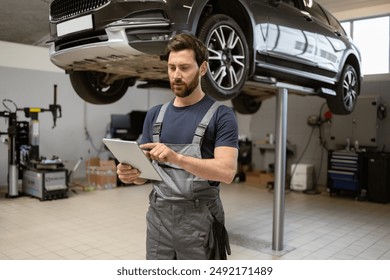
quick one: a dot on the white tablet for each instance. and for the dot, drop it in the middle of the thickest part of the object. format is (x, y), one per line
(129, 152)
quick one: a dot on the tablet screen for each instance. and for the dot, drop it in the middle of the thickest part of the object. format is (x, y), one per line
(129, 152)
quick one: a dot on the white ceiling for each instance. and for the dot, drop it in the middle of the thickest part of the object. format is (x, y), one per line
(26, 21)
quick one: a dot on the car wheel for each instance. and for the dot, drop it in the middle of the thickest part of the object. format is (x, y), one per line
(347, 90)
(90, 86)
(228, 57)
(246, 104)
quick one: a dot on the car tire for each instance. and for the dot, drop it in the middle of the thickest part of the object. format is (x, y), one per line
(228, 65)
(246, 104)
(347, 90)
(89, 86)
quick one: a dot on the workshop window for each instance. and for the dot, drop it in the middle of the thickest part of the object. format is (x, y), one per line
(372, 37)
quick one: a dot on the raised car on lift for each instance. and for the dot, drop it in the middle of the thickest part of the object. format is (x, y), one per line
(107, 45)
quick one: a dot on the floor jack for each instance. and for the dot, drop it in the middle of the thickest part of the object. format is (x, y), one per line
(41, 178)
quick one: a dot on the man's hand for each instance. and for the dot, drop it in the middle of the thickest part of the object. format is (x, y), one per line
(160, 152)
(129, 175)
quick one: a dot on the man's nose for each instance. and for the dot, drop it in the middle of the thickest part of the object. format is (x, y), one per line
(177, 74)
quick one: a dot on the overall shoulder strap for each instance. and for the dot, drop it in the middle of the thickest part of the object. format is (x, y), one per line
(158, 124)
(202, 126)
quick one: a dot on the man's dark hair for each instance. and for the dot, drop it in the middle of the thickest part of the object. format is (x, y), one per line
(186, 41)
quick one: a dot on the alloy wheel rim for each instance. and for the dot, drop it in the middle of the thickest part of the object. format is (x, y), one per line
(349, 90)
(226, 57)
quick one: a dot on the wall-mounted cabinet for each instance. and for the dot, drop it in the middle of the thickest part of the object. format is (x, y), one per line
(361, 125)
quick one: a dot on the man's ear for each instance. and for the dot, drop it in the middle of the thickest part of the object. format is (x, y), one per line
(203, 68)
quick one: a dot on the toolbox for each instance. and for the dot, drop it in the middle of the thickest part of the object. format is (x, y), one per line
(344, 171)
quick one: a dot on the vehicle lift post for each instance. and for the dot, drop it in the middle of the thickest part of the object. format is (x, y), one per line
(282, 90)
(280, 168)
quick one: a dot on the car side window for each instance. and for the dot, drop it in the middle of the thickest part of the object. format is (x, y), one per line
(335, 23)
(315, 10)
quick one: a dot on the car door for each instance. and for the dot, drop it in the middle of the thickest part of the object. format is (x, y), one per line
(330, 44)
(260, 11)
(292, 35)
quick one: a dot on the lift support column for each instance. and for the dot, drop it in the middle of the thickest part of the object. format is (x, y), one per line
(282, 90)
(280, 168)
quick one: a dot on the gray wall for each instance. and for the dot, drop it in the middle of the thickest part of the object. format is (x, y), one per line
(380, 85)
(301, 134)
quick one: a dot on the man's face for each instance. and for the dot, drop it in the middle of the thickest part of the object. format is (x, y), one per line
(184, 73)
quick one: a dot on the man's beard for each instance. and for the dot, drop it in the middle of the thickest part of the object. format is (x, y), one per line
(181, 89)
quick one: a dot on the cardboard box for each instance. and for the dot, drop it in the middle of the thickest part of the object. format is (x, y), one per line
(258, 178)
(101, 174)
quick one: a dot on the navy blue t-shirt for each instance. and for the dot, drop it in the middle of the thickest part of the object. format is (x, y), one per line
(179, 125)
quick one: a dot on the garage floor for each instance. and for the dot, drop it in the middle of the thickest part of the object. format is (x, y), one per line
(110, 224)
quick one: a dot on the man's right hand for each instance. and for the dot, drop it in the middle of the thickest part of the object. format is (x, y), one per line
(129, 175)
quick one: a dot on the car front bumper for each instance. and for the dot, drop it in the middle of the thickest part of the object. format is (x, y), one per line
(114, 54)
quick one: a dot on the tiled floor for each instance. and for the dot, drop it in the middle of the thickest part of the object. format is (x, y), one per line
(110, 224)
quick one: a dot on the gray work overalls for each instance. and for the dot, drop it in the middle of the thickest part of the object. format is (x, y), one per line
(183, 208)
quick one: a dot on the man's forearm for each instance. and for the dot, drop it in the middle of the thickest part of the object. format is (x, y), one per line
(220, 170)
